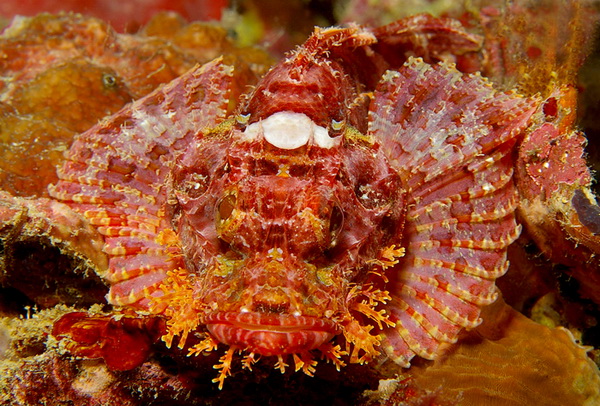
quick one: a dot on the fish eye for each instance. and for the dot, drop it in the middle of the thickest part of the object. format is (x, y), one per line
(336, 221)
(225, 208)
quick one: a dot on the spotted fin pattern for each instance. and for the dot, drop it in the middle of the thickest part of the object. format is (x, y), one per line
(115, 175)
(450, 136)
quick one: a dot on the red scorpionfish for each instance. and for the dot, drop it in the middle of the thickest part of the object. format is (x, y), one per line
(346, 210)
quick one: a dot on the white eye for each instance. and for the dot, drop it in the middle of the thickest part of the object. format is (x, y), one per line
(289, 130)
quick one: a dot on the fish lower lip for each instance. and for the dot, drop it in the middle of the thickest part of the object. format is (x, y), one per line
(267, 322)
(261, 327)
(271, 335)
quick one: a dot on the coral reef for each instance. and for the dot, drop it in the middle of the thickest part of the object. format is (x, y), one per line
(543, 49)
(35, 369)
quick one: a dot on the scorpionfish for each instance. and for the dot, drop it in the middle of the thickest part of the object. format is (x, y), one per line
(350, 207)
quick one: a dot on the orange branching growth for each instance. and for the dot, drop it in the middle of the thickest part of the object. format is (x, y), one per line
(280, 364)
(333, 353)
(376, 315)
(367, 306)
(249, 360)
(388, 256)
(168, 238)
(365, 300)
(179, 307)
(224, 367)
(207, 345)
(360, 339)
(305, 362)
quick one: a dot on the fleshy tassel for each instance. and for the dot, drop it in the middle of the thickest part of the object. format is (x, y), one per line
(207, 345)
(280, 364)
(249, 360)
(365, 299)
(374, 297)
(305, 362)
(388, 256)
(333, 353)
(361, 339)
(179, 306)
(224, 367)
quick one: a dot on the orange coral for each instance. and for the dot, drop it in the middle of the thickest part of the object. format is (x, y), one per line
(516, 362)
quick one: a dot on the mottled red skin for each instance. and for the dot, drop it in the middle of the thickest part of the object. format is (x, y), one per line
(558, 207)
(390, 231)
(324, 181)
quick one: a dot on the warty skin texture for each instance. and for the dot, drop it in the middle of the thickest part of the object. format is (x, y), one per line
(384, 227)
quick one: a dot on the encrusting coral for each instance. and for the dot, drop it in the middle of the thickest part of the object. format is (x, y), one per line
(61, 74)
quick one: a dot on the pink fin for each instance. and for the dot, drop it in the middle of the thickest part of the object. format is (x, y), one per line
(450, 136)
(115, 175)
(423, 35)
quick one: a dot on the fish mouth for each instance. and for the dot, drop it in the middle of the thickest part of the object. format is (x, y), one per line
(268, 335)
